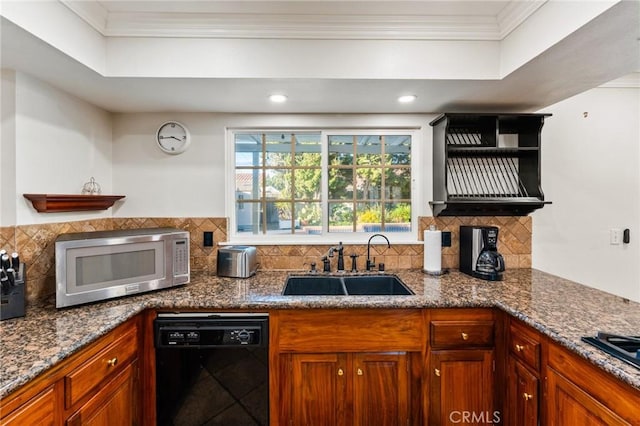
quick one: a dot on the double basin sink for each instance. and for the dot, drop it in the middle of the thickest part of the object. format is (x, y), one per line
(356, 285)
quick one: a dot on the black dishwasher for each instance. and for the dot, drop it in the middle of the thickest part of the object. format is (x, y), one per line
(212, 368)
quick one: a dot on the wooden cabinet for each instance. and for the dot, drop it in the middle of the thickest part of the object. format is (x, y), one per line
(349, 389)
(96, 386)
(523, 395)
(113, 405)
(461, 386)
(523, 375)
(359, 368)
(461, 366)
(317, 389)
(381, 388)
(582, 394)
(39, 410)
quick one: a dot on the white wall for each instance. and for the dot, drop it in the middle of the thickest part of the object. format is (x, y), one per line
(591, 173)
(61, 142)
(8, 149)
(192, 184)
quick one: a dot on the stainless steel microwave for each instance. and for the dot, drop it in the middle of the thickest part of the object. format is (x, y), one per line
(92, 266)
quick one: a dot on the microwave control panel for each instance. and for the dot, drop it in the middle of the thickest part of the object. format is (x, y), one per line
(180, 257)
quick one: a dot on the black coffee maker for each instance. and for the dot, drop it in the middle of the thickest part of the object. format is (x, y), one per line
(479, 255)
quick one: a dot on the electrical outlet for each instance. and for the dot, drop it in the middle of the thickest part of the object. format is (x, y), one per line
(615, 236)
(446, 239)
(207, 239)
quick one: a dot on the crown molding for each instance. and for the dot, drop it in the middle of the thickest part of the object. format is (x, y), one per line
(304, 26)
(515, 13)
(91, 12)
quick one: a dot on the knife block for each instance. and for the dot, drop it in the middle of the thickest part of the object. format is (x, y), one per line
(12, 303)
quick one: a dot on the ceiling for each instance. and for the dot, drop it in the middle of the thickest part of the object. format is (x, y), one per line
(603, 49)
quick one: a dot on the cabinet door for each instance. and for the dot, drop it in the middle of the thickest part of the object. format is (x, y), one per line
(114, 404)
(317, 389)
(39, 410)
(461, 387)
(568, 404)
(381, 389)
(522, 398)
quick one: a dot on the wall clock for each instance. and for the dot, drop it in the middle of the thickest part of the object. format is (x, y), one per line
(173, 137)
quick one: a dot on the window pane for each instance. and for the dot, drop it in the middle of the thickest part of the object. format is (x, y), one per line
(247, 217)
(275, 213)
(398, 184)
(340, 184)
(369, 182)
(308, 218)
(248, 184)
(341, 217)
(307, 184)
(278, 149)
(308, 150)
(397, 217)
(278, 184)
(248, 149)
(369, 150)
(398, 150)
(340, 150)
(369, 217)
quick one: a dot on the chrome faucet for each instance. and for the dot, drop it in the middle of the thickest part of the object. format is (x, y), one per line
(369, 264)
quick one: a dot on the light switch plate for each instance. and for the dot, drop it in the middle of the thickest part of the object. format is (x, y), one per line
(615, 236)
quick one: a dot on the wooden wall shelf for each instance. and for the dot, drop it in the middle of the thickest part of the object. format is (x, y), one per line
(53, 203)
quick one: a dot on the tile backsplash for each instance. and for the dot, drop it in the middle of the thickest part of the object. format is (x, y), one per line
(35, 243)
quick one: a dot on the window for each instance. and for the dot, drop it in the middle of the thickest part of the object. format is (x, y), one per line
(318, 183)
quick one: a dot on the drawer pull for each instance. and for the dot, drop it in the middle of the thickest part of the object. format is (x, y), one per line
(527, 396)
(465, 336)
(519, 348)
(437, 372)
(112, 362)
(360, 373)
(340, 372)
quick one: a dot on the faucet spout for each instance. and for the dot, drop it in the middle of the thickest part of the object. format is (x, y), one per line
(369, 263)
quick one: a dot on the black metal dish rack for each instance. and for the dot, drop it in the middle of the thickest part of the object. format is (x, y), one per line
(487, 164)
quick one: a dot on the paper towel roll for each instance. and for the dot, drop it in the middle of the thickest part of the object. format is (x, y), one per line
(432, 251)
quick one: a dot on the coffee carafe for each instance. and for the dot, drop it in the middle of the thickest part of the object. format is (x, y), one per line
(479, 255)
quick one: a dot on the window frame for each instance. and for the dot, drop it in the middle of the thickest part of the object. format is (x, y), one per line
(325, 237)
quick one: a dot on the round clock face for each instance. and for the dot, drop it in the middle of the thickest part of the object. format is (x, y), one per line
(173, 137)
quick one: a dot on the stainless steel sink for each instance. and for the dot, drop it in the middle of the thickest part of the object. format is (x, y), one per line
(357, 285)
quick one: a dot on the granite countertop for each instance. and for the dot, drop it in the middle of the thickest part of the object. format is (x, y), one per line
(563, 310)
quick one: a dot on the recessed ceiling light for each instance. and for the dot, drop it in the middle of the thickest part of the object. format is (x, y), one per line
(405, 99)
(278, 98)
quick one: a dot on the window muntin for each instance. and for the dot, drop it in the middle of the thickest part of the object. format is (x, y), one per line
(279, 178)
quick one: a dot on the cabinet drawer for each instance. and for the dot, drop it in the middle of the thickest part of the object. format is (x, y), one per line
(524, 345)
(100, 367)
(461, 334)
